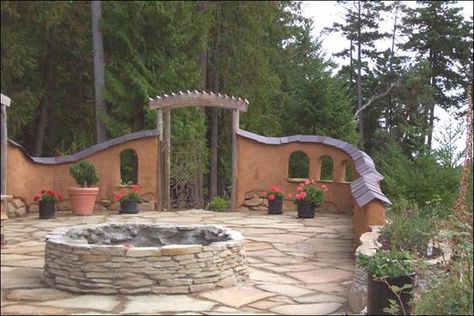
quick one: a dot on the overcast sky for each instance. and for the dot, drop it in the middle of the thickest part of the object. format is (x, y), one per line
(325, 13)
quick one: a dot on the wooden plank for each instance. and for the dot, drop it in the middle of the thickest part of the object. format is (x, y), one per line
(5, 100)
(198, 99)
(3, 141)
(235, 126)
(159, 169)
(166, 158)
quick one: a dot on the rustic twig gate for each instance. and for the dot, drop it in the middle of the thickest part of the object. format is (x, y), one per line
(186, 99)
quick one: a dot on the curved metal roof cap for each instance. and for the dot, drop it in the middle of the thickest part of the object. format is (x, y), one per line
(88, 151)
(364, 189)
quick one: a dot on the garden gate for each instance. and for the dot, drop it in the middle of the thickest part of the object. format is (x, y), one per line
(180, 183)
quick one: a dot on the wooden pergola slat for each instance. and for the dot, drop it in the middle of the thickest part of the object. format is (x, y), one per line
(196, 98)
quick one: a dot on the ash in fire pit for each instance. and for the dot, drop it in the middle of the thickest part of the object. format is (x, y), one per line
(144, 258)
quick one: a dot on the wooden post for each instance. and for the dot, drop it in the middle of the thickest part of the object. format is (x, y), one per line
(159, 169)
(166, 157)
(235, 125)
(5, 101)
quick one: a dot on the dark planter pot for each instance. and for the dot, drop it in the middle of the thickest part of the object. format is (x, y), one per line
(275, 206)
(306, 210)
(47, 210)
(128, 207)
(379, 294)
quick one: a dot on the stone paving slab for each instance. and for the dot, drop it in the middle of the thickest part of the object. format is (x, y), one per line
(296, 267)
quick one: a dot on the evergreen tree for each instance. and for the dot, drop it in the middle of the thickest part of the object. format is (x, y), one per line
(438, 32)
(361, 30)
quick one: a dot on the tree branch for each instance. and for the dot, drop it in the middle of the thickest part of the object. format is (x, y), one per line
(374, 98)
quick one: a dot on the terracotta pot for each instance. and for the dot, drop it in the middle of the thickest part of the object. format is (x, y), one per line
(82, 200)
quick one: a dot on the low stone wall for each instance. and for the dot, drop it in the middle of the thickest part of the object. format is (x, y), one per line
(107, 269)
(358, 292)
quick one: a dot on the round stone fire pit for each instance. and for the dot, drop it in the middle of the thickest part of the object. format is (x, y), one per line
(134, 258)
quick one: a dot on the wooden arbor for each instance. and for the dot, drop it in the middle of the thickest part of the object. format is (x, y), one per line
(186, 99)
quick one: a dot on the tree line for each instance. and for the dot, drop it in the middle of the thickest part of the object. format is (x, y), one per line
(53, 54)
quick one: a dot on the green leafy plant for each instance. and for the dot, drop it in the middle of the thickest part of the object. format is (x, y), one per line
(48, 196)
(132, 195)
(387, 264)
(307, 192)
(408, 228)
(84, 173)
(219, 204)
(274, 193)
(451, 292)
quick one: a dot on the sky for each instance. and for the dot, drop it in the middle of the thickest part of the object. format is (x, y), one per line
(325, 13)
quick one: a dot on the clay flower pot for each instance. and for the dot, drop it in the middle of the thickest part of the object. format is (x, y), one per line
(83, 200)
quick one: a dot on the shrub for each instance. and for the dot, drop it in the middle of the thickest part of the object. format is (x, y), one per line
(219, 204)
(84, 173)
(408, 229)
(387, 264)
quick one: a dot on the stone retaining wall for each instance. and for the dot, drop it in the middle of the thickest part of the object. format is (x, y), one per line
(358, 292)
(171, 269)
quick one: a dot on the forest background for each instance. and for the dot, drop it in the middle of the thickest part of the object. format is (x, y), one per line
(383, 101)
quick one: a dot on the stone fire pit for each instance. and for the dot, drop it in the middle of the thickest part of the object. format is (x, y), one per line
(133, 258)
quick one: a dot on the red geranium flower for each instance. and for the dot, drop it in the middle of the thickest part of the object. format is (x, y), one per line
(271, 197)
(43, 191)
(36, 198)
(60, 196)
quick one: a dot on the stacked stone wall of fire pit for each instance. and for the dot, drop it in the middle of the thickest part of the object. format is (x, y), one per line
(117, 258)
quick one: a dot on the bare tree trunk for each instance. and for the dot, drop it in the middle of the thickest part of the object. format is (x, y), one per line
(99, 71)
(359, 77)
(46, 99)
(214, 119)
(388, 110)
(203, 8)
(351, 78)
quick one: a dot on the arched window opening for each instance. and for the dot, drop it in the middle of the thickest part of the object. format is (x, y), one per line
(129, 167)
(327, 167)
(298, 165)
(348, 172)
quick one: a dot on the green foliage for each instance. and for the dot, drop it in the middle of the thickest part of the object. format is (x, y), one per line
(130, 195)
(298, 165)
(387, 264)
(46, 63)
(419, 179)
(327, 168)
(452, 292)
(408, 229)
(219, 204)
(307, 192)
(128, 167)
(84, 173)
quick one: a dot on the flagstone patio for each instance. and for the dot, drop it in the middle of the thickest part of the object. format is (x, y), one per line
(297, 266)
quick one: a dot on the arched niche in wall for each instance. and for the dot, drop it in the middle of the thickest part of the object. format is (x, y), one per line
(348, 171)
(327, 168)
(129, 166)
(298, 165)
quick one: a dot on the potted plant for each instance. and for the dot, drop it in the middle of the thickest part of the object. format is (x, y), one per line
(275, 200)
(83, 198)
(391, 278)
(47, 203)
(129, 200)
(308, 197)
